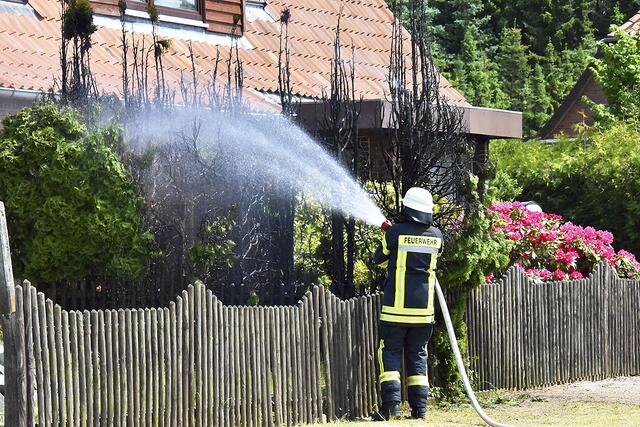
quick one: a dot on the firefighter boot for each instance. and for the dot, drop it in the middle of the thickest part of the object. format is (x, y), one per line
(391, 411)
(419, 414)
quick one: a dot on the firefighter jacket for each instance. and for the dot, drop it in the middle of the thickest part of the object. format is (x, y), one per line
(410, 250)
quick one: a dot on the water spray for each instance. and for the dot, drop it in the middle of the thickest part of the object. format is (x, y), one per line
(260, 148)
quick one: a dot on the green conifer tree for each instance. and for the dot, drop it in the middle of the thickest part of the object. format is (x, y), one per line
(565, 22)
(583, 22)
(538, 22)
(552, 69)
(501, 13)
(562, 70)
(477, 77)
(454, 19)
(512, 60)
(539, 105)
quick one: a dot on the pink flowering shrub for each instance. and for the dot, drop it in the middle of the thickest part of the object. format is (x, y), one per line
(549, 249)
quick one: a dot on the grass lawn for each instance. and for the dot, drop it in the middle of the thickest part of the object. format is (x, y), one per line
(523, 409)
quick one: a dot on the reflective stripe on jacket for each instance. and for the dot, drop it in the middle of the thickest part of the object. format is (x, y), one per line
(411, 251)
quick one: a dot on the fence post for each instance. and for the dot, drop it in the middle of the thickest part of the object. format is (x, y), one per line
(13, 335)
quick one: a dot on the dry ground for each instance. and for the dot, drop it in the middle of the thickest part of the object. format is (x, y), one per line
(613, 402)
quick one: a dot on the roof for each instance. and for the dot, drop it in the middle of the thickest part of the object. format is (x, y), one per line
(489, 123)
(557, 123)
(632, 26)
(30, 43)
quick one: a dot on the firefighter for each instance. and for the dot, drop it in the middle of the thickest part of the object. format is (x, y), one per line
(410, 250)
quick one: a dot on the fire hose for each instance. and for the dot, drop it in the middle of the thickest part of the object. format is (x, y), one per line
(456, 351)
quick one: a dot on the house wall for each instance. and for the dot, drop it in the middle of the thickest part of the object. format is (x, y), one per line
(223, 15)
(578, 112)
(10, 105)
(374, 144)
(377, 142)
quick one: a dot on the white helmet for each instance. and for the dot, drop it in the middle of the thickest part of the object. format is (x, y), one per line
(418, 204)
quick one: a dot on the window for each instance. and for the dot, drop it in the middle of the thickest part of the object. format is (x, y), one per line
(188, 9)
(179, 4)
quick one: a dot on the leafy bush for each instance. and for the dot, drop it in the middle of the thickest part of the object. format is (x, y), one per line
(312, 248)
(212, 255)
(72, 209)
(477, 251)
(593, 179)
(617, 71)
(549, 249)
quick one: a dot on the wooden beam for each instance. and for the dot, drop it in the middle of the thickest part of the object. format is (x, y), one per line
(13, 336)
(7, 287)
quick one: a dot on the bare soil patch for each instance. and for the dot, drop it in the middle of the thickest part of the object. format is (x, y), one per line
(614, 390)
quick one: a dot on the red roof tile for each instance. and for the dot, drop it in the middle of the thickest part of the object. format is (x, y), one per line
(29, 49)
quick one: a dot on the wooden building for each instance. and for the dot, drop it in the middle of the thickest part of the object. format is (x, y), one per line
(573, 111)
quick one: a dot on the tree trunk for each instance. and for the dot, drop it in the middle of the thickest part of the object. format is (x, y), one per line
(337, 250)
(350, 288)
(283, 214)
(480, 162)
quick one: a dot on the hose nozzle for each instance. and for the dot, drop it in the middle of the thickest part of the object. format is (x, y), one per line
(385, 225)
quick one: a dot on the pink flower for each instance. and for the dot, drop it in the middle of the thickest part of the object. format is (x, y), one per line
(574, 275)
(509, 228)
(545, 274)
(542, 241)
(567, 256)
(590, 233)
(571, 232)
(535, 273)
(505, 206)
(548, 236)
(559, 275)
(488, 277)
(605, 252)
(605, 236)
(628, 255)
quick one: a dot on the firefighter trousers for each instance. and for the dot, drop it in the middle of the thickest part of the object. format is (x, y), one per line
(396, 340)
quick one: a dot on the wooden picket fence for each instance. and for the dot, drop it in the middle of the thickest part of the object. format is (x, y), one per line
(198, 362)
(524, 334)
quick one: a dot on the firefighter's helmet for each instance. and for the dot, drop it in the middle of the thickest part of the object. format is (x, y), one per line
(418, 204)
